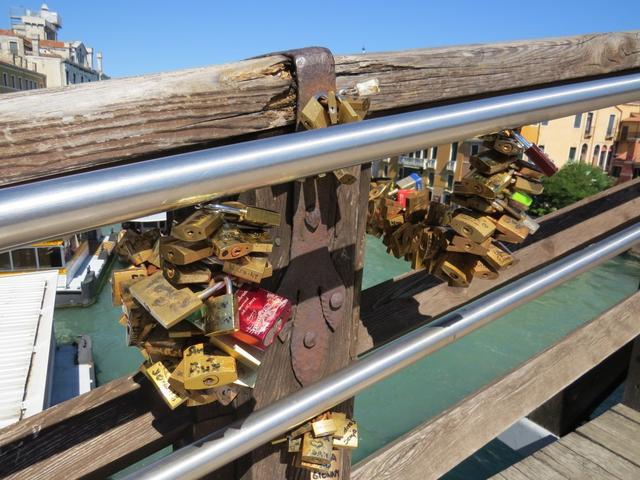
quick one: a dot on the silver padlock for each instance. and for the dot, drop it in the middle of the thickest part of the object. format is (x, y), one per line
(222, 312)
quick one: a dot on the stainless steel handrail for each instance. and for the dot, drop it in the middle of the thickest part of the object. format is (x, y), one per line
(59, 206)
(224, 446)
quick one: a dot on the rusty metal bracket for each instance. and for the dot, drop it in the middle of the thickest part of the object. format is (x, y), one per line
(311, 280)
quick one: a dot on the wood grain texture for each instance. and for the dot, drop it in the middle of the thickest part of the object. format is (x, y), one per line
(616, 433)
(51, 131)
(415, 298)
(439, 444)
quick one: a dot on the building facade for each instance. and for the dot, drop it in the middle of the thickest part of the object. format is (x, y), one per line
(588, 137)
(17, 72)
(35, 37)
(626, 161)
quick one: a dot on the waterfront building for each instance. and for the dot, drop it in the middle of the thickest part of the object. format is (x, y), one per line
(63, 62)
(588, 137)
(626, 161)
(17, 71)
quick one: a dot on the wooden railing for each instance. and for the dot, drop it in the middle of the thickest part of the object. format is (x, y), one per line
(53, 131)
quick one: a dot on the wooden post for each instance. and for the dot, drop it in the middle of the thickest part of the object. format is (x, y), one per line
(631, 395)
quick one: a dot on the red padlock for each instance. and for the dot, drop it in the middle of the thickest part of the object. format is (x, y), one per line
(262, 316)
(402, 196)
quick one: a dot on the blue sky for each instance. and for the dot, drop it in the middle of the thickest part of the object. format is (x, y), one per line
(141, 36)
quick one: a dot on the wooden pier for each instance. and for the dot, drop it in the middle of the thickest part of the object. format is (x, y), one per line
(607, 447)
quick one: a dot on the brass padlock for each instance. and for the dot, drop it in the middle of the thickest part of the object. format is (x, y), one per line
(167, 304)
(476, 203)
(438, 215)
(346, 112)
(316, 450)
(222, 312)
(507, 146)
(522, 184)
(323, 427)
(332, 107)
(346, 176)
(459, 268)
(346, 435)
(184, 330)
(474, 227)
(180, 252)
(498, 258)
(294, 445)
(456, 243)
(314, 115)
(154, 259)
(251, 268)
(139, 326)
(246, 354)
(491, 162)
(526, 170)
(229, 243)
(121, 279)
(159, 377)
(511, 230)
(202, 371)
(417, 205)
(187, 274)
(200, 225)
(247, 214)
(158, 344)
(487, 186)
(482, 270)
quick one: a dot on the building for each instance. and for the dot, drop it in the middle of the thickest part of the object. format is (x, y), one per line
(626, 160)
(588, 137)
(439, 166)
(35, 36)
(17, 72)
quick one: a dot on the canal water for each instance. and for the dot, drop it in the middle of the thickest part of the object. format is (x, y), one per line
(396, 405)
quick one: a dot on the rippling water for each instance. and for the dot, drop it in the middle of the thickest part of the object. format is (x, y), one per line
(391, 408)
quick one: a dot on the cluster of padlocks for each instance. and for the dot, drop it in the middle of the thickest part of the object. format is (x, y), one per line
(466, 239)
(317, 445)
(192, 305)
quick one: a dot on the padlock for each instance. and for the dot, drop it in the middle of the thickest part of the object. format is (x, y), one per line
(180, 252)
(159, 377)
(417, 205)
(124, 278)
(535, 154)
(139, 326)
(243, 353)
(314, 115)
(200, 225)
(347, 176)
(438, 215)
(524, 185)
(529, 171)
(491, 162)
(154, 260)
(316, 450)
(347, 435)
(498, 258)
(184, 330)
(323, 427)
(158, 343)
(187, 274)
(511, 230)
(482, 270)
(519, 215)
(262, 315)
(203, 371)
(332, 107)
(346, 112)
(252, 268)
(294, 445)
(507, 146)
(198, 398)
(458, 268)
(457, 243)
(247, 214)
(230, 242)
(486, 186)
(167, 304)
(222, 312)
(476, 228)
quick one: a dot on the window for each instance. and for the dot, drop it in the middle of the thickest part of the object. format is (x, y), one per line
(67, 74)
(624, 133)
(5, 261)
(454, 151)
(450, 182)
(434, 152)
(602, 162)
(636, 172)
(445, 197)
(583, 153)
(587, 125)
(431, 177)
(572, 154)
(13, 81)
(74, 78)
(475, 148)
(577, 120)
(24, 258)
(612, 119)
(81, 79)
(13, 48)
(617, 170)
(20, 83)
(49, 257)
(5, 80)
(596, 153)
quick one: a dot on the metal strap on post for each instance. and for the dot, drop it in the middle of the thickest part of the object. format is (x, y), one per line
(224, 446)
(64, 205)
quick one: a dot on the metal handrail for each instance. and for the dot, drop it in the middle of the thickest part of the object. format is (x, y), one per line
(223, 446)
(51, 208)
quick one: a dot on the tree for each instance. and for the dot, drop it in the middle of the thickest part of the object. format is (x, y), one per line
(573, 182)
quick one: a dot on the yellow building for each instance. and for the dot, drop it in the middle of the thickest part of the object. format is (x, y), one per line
(439, 166)
(16, 71)
(587, 137)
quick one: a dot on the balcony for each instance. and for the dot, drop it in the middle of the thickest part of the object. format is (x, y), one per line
(432, 163)
(412, 162)
(451, 166)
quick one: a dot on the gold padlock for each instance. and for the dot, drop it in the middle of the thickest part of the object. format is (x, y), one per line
(347, 435)
(498, 258)
(323, 427)
(474, 227)
(248, 214)
(123, 278)
(222, 312)
(522, 184)
(202, 371)
(456, 243)
(438, 215)
(417, 205)
(487, 187)
(230, 243)
(313, 115)
(242, 352)
(482, 270)
(511, 230)
(526, 170)
(347, 176)
(159, 377)
(474, 203)
(180, 252)
(187, 274)
(491, 162)
(294, 445)
(316, 450)
(507, 146)
(459, 268)
(200, 225)
(346, 112)
(251, 268)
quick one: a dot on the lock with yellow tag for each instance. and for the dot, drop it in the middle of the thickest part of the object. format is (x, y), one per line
(474, 227)
(222, 312)
(203, 371)
(167, 304)
(180, 252)
(200, 225)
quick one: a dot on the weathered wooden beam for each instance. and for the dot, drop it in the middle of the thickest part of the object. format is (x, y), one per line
(414, 298)
(435, 447)
(52, 131)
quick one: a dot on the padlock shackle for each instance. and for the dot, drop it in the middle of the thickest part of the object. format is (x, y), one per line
(207, 292)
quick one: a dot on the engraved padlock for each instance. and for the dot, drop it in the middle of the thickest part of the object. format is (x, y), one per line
(511, 230)
(498, 258)
(159, 377)
(474, 227)
(123, 278)
(203, 371)
(525, 185)
(252, 268)
(222, 312)
(180, 252)
(316, 450)
(187, 274)
(491, 162)
(486, 186)
(200, 225)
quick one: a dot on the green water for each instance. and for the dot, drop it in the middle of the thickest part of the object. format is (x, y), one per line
(394, 406)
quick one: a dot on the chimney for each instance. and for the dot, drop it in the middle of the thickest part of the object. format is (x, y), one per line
(35, 46)
(90, 57)
(99, 62)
